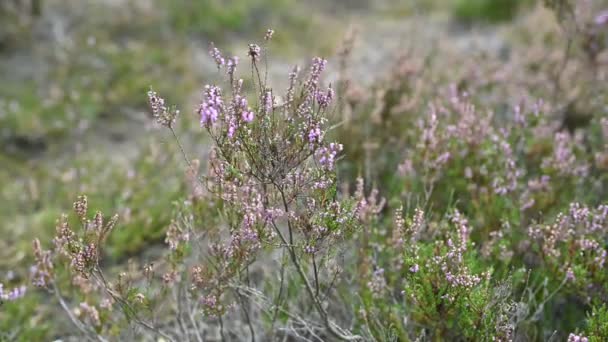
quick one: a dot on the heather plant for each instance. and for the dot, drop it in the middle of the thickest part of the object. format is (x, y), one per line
(596, 328)
(271, 179)
(434, 287)
(506, 166)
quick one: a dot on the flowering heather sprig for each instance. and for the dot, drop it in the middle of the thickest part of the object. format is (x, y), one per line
(293, 76)
(315, 135)
(164, 116)
(43, 270)
(231, 66)
(404, 239)
(507, 179)
(79, 252)
(471, 126)
(326, 156)
(88, 313)
(429, 140)
(13, 294)
(577, 338)
(85, 285)
(417, 224)
(64, 236)
(581, 229)
(367, 207)
(398, 237)
(212, 105)
(377, 284)
(176, 235)
(463, 229)
(247, 115)
(267, 101)
(564, 160)
(216, 55)
(317, 67)
(80, 207)
(452, 265)
(535, 185)
(170, 278)
(570, 274)
(85, 258)
(324, 98)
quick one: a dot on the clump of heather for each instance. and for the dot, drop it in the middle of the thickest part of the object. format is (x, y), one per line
(505, 143)
(273, 169)
(573, 248)
(271, 182)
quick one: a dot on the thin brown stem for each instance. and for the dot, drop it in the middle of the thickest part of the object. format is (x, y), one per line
(73, 318)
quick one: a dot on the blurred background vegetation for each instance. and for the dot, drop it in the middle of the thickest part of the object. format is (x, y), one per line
(73, 114)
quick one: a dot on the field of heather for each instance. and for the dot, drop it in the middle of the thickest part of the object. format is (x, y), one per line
(282, 170)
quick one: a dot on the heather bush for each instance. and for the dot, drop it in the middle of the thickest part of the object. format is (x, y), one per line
(271, 183)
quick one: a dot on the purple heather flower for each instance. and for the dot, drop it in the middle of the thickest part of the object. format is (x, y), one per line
(602, 18)
(268, 102)
(211, 106)
(308, 249)
(156, 103)
(577, 338)
(163, 115)
(247, 116)
(242, 107)
(327, 155)
(231, 65)
(209, 302)
(232, 126)
(84, 310)
(570, 274)
(377, 284)
(442, 159)
(216, 55)
(324, 98)
(315, 135)
(317, 67)
(415, 268)
(14, 294)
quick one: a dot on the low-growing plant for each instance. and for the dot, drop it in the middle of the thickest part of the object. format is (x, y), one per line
(271, 179)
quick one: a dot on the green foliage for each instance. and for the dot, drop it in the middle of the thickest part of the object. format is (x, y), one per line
(24, 320)
(597, 323)
(490, 11)
(116, 77)
(215, 18)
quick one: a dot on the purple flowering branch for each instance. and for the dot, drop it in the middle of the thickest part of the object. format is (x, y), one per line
(266, 159)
